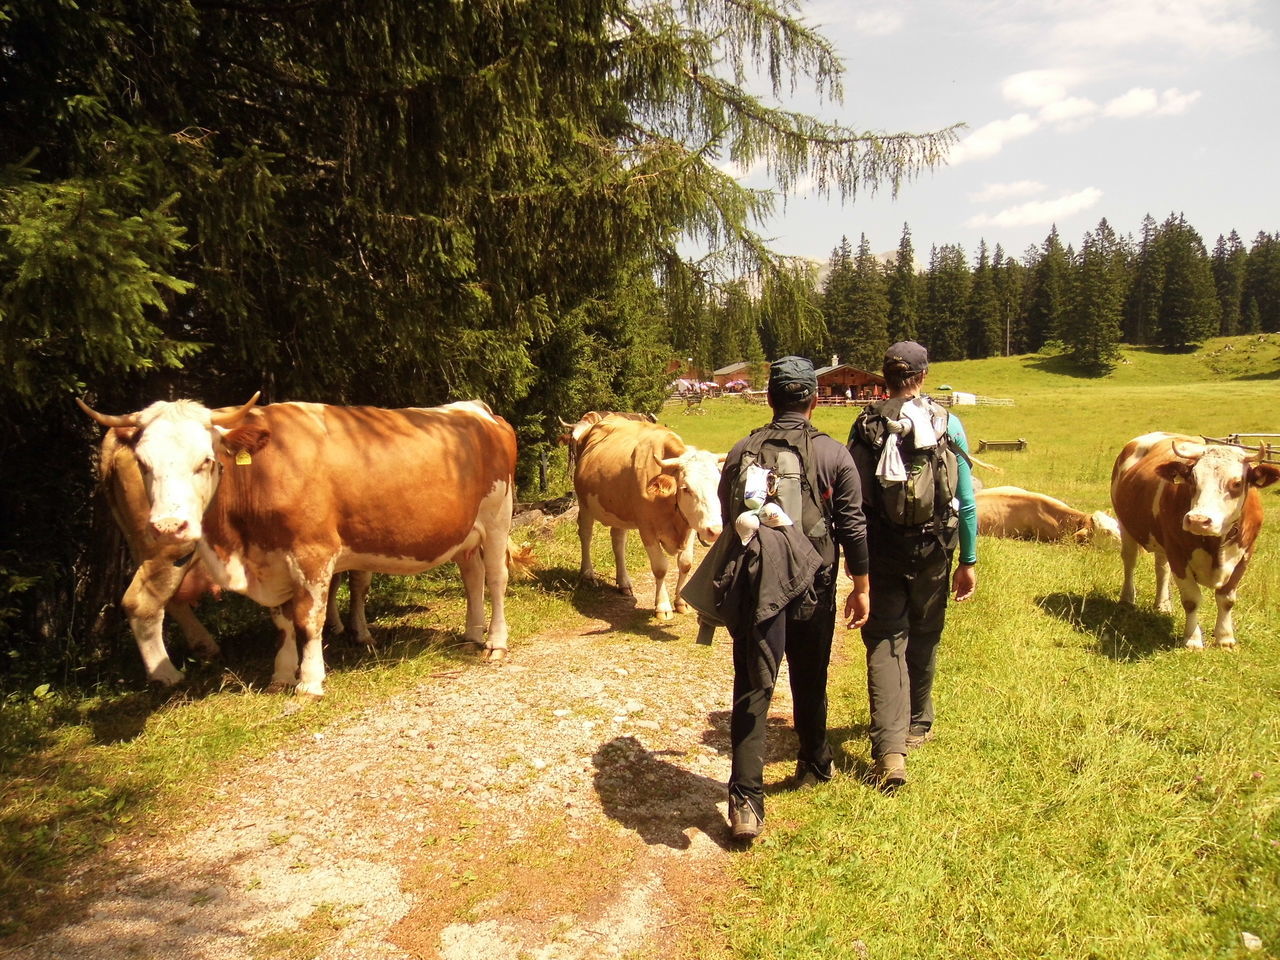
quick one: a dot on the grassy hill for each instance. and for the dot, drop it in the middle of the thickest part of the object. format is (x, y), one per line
(1094, 790)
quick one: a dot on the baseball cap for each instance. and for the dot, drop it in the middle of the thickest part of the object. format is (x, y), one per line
(792, 378)
(906, 358)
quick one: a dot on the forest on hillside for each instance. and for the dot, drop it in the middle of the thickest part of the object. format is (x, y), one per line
(1161, 288)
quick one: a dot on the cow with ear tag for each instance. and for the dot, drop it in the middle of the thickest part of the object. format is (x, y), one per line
(278, 499)
(1196, 507)
(635, 475)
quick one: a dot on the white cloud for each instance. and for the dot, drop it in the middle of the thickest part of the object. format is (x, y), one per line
(878, 23)
(1007, 191)
(1036, 212)
(990, 138)
(1068, 110)
(1144, 100)
(1199, 26)
(1036, 88)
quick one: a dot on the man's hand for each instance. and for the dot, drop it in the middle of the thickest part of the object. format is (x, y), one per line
(857, 605)
(964, 582)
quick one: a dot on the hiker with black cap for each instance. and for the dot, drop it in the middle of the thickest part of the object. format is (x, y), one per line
(913, 460)
(793, 497)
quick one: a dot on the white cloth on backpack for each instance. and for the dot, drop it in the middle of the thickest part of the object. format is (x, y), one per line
(890, 469)
(917, 411)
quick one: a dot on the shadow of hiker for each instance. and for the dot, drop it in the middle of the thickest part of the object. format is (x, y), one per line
(657, 798)
(1121, 632)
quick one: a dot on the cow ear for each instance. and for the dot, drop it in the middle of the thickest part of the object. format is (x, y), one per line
(1264, 474)
(1174, 471)
(661, 486)
(1082, 536)
(248, 438)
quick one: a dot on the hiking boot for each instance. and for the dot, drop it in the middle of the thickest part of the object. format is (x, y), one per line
(890, 771)
(918, 736)
(804, 777)
(745, 823)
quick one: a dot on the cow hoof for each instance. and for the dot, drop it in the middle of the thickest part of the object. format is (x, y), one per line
(308, 691)
(626, 591)
(276, 686)
(364, 639)
(665, 615)
(1227, 643)
(496, 655)
(1195, 643)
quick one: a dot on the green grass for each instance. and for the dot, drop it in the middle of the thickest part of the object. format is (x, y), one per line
(1094, 790)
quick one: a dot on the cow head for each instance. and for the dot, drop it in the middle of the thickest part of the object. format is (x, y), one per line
(176, 444)
(693, 480)
(1220, 477)
(1101, 531)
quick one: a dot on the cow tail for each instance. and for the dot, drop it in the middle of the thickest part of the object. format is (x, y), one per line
(520, 563)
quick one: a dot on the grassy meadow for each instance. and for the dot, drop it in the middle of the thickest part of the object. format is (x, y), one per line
(1093, 791)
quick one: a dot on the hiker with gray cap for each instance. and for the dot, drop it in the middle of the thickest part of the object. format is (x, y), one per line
(797, 493)
(913, 460)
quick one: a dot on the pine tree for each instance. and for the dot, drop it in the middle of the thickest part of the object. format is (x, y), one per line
(837, 299)
(904, 292)
(1008, 276)
(985, 332)
(1047, 293)
(869, 311)
(1262, 283)
(1189, 305)
(1091, 328)
(1229, 260)
(946, 300)
(1142, 305)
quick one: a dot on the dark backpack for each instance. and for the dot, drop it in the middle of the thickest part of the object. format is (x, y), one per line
(787, 453)
(925, 503)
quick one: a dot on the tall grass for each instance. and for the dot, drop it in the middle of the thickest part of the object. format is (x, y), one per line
(1094, 790)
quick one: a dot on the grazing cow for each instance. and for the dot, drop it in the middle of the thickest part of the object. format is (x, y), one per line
(1023, 515)
(170, 580)
(279, 499)
(1196, 507)
(632, 475)
(572, 432)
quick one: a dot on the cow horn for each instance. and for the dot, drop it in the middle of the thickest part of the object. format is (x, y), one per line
(1261, 455)
(127, 420)
(567, 426)
(1183, 456)
(669, 462)
(226, 419)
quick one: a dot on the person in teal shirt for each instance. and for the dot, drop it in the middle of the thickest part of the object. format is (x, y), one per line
(911, 565)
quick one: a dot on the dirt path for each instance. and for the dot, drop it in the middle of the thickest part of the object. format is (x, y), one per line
(569, 803)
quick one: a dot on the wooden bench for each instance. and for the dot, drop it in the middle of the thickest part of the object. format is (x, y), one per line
(985, 445)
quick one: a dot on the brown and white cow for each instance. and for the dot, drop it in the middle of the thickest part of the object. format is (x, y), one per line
(279, 499)
(1023, 515)
(1196, 507)
(634, 475)
(169, 579)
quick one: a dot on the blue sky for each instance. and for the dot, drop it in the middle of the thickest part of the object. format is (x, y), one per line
(1075, 110)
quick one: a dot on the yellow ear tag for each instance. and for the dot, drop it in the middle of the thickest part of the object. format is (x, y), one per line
(243, 459)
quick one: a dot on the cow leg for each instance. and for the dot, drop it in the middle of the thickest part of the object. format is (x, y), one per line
(199, 639)
(684, 564)
(1163, 603)
(358, 585)
(586, 526)
(658, 564)
(1129, 557)
(154, 583)
(309, 606)
(332, 616)
(285, 672)
(1224, 631)
(618, 535)
(495, 579)
(1190, 591)
(471, 565)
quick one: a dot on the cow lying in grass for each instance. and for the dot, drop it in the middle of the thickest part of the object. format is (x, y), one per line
(1020, 514)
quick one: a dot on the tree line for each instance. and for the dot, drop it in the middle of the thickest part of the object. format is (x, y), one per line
(1162, 288)
(381, 202)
